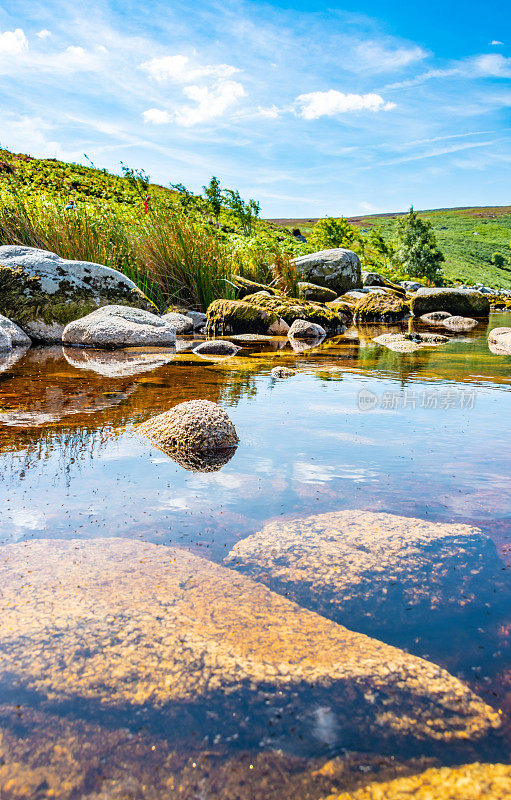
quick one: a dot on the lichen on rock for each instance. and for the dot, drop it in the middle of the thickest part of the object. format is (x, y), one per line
(237, 316)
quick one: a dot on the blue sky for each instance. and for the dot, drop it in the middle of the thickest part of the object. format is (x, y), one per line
(310, 109)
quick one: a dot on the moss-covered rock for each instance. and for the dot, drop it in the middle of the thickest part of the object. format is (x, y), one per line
(381, 308)
(244, 286)
(320, 294)
(236, 316)
(459, 302)
(42, 292)
(291, 308)
(344, 307)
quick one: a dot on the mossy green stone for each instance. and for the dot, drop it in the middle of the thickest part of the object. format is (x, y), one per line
(380, 308)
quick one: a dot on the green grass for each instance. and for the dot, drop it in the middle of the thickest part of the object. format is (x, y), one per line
(468, 237)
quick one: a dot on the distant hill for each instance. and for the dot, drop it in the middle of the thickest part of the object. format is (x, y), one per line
(468, 237)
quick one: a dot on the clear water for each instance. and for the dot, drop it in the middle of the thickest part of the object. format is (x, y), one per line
(422, 435)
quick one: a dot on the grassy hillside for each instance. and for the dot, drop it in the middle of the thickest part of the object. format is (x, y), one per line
(181, 252)
(468, 237)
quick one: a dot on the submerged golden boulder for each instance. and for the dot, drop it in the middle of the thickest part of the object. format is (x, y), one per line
(374, 571)
(115, 625)
(468, 782)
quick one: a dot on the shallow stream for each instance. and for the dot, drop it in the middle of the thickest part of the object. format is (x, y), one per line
(88, 704)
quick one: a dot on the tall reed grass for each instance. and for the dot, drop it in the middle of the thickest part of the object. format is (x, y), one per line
(173, 259)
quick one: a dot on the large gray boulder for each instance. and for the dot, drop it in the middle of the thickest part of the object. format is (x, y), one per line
(111, 327)
(459, 302)
(18, 337)
(337, 269)
(180, 322)
(41, 292)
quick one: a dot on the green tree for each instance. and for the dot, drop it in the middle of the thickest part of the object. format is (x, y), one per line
(245, 213)
(498, 260)
(214, 197)
(328, 233)
(417, 250)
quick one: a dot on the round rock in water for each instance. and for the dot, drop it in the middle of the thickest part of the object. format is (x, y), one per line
(18, 337)
(459, 324)
(112, 327)
(282, 372)
(435, 317)
(499, 341)
(196, 425)
(180, 322)
(216, 347)
(302, 329)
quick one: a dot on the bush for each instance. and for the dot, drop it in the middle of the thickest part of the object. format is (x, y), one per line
(498, 260)
(417, 249)
(329, 233)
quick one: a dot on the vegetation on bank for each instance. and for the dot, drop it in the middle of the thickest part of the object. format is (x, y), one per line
(181, 248)
(475, 242)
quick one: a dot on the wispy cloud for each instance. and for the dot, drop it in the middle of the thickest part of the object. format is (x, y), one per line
(179, 68)
(333, 103)
(377, 57)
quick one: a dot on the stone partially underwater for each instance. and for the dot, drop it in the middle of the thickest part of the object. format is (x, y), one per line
(376, 572)
(197, 434)
(131, 634)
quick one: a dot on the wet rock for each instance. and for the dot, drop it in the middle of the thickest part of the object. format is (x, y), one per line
(112, 327)
(459, 324)
(198, 318)
(337, 269)
(320, 293)
(377, 572)
(42, 292)
(116, 626)
(279, 328)
(197, 425)
(462, 302)
(264, 314)
(282, 372)
(435, 317)
(468, 782)
(116, 364)
(381, 308)
(499, 341)
(5, 341)
(181, 323)
(18, 337)
(354, 295)
(408, 343)
(216, 347)
(301, 329)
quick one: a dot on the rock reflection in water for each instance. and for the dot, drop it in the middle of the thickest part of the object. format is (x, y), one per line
(9, 358)
(117, 364)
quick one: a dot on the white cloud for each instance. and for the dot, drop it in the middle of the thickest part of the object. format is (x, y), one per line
(13, 43)
(210, 102)
(272, 112)
(44, 34)
(179, 68)
(492, 65)
(495, 43)
(377, 58)
(157, 116)
(332, 103)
